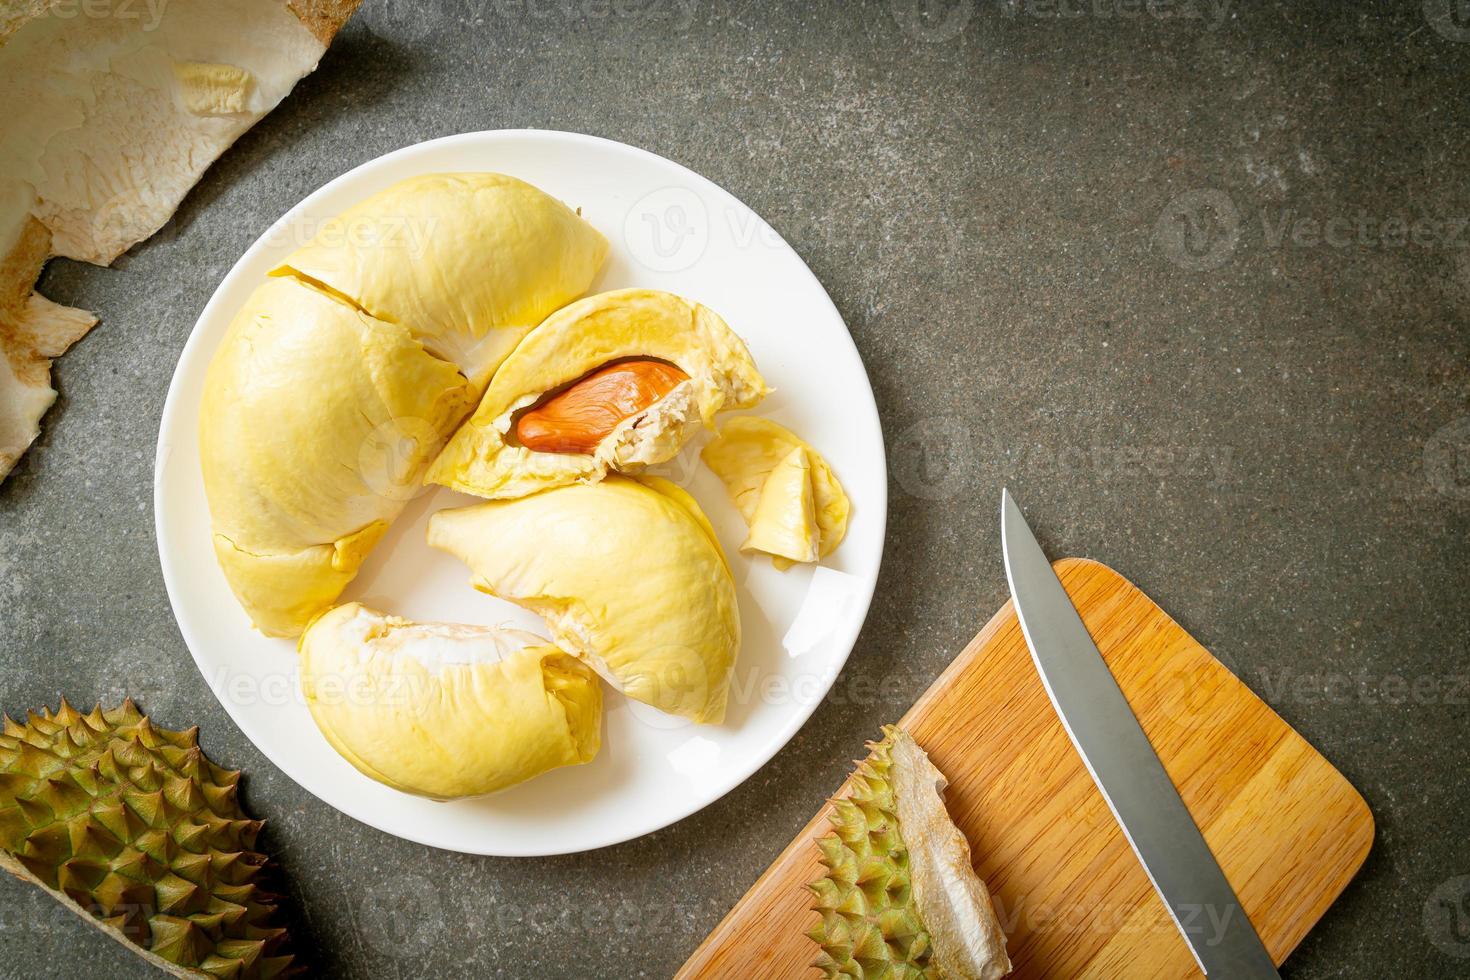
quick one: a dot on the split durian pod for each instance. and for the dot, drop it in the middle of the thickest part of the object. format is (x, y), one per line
(451, 349)
(899, 896)
(131, 827)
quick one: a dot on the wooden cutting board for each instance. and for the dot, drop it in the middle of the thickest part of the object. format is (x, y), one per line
(1287, 828)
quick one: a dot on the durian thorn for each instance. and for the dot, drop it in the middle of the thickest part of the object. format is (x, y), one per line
(96, 719)
(79, 736)
(67, 713)
(193, 755)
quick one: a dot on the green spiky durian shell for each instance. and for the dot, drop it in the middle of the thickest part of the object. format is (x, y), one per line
(131, 826)
(870, 927)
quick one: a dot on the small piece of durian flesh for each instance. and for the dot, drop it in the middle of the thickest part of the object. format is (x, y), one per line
(785, 520)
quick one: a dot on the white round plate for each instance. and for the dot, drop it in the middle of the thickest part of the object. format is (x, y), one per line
(670, 229)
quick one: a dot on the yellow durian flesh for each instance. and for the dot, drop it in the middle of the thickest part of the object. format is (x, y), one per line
(281, 592)
(446, 710)
(483, 458)
(747, 453)
(316, 425)
(628, 575)
(785, 521)
(470, 262)
(341, 377)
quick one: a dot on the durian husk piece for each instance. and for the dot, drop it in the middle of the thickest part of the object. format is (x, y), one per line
(900, 897)
(112, 115)
(33, 332)
(131, 827)
(30, 338)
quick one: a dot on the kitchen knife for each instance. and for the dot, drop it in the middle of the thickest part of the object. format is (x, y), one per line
(1124, 766)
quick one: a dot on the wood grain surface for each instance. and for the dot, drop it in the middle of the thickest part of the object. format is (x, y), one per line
(1287, 828)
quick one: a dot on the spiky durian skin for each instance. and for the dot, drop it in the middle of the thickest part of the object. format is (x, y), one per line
(135, 826)
(870, 928)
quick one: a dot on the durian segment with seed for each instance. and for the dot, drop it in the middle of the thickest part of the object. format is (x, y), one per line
(486, 459)
(132, 827)
(899, 897)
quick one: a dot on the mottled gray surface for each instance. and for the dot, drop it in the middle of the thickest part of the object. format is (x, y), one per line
(1082, 255)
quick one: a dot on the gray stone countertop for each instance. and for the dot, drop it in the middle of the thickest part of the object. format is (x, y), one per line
(1192, 279)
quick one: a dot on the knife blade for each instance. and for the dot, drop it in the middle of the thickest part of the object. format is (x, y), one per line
(1123, 764)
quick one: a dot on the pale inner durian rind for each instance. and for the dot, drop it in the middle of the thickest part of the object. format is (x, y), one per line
(482, 458)
(627, 574)
(446, 710)
(469, 262)
(316, 425)
(101, 130)
(213, 89)
(744, 454)
(113, 111)
(952, 901)
(31, 334)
